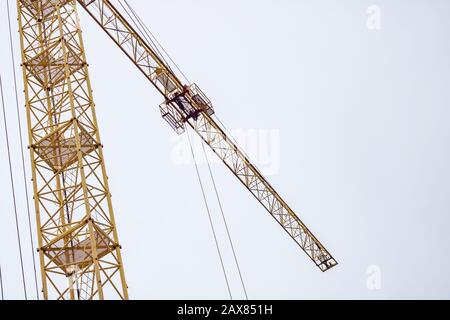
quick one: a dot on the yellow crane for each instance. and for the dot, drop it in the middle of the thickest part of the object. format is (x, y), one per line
(79, 248)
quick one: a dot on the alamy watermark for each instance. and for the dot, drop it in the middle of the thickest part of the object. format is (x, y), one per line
(374, 18)
(373, 281)
(261, 146)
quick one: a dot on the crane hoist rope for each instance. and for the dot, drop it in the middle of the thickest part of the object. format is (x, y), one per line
(13, 191)
(1, 284)
(208, 211)
(224, 220)
(22, 156)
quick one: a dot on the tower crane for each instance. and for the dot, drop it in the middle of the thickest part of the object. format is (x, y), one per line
(78, 244)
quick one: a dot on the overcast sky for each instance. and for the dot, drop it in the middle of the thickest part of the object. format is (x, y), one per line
(345, 106)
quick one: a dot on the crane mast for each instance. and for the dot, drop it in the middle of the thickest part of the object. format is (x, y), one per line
(188, 105)
(79, 250)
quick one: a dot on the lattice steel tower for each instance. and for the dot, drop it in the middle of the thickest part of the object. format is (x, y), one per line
(78, 244)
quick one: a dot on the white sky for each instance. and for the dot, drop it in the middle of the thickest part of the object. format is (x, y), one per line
(362, 118)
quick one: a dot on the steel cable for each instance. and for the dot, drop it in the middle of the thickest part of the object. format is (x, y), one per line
(1, 283)
(13, 189)
(209, 215)
(19, 123)
(225, 222)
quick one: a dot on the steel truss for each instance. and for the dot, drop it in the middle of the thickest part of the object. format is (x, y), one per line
(79, 249)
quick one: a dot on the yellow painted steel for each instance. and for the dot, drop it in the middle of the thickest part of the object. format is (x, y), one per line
(78, 244)
(79, 251)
